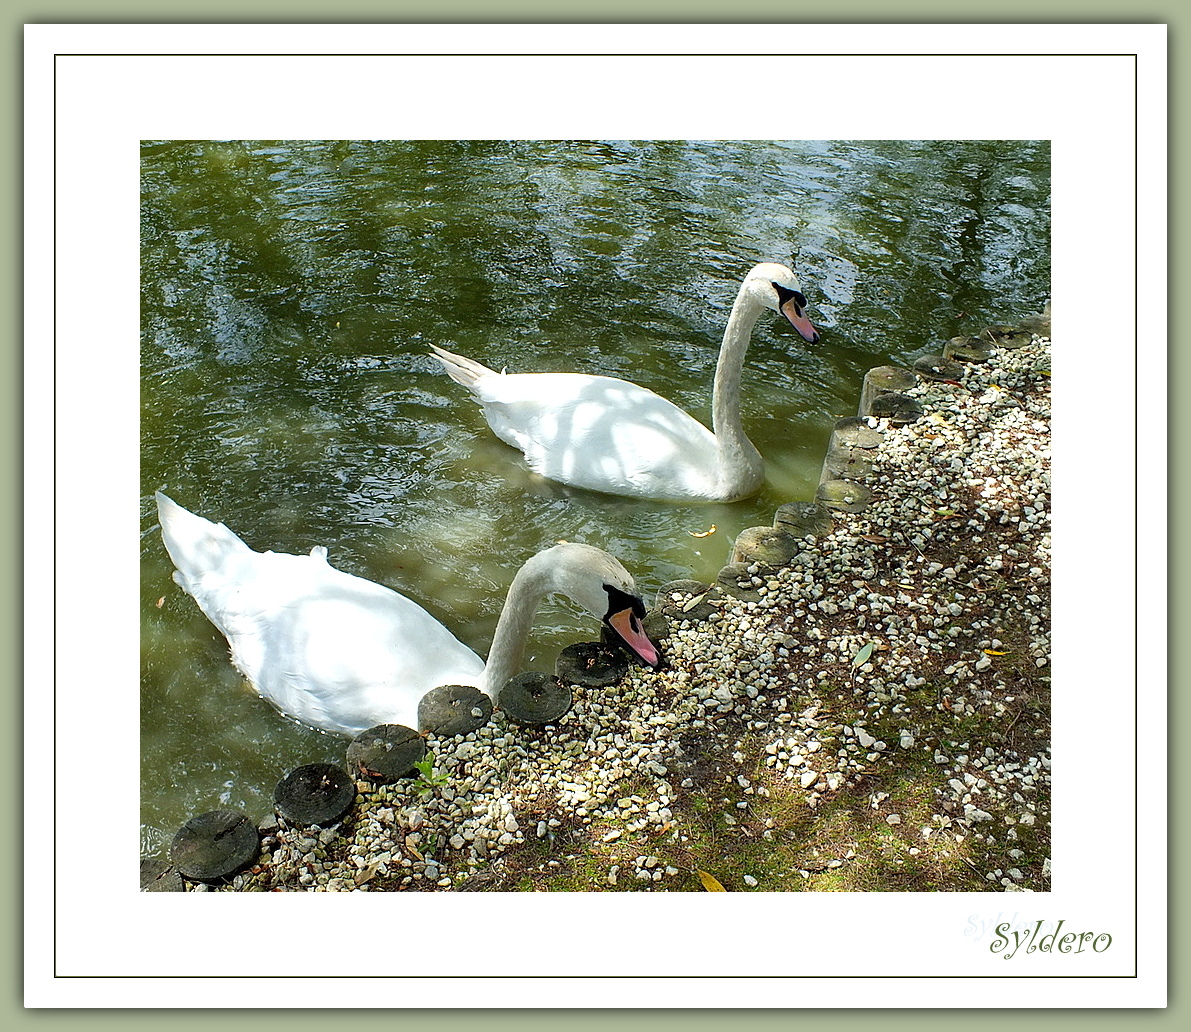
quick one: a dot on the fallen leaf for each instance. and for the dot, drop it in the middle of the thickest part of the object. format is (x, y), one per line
(705, 533)
(862, 656)
(994, 652)
(874, 539)
(709, 883)
(692, 602)
(161, 602)
(366, 874)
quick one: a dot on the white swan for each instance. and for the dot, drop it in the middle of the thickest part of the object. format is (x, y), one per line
(610, 435)
(344, 654)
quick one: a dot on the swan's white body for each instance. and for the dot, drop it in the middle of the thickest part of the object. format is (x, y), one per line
(609, 435)
(343, 654)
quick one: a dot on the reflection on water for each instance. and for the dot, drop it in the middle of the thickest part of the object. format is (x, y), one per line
(291, 291)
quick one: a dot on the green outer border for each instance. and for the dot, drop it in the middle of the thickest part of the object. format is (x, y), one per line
(1165, 11)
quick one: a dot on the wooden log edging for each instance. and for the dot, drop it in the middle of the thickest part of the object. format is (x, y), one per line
(850, 451)
(316, 802)
(848, 462)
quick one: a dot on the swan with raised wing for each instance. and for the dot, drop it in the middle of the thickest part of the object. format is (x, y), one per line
(610, 435)
(344, 654)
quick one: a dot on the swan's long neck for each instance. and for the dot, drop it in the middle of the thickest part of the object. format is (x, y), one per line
(741, 467)
(532, 583)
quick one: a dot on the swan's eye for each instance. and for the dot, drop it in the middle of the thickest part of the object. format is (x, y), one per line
(785, 294)
(618, 601)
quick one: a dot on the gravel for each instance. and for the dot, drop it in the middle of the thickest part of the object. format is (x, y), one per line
(945, 574)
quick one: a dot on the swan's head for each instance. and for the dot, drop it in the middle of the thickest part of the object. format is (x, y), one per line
(777, 288)
(602, 586)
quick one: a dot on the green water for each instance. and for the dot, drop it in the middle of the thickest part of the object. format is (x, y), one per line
(291, 290)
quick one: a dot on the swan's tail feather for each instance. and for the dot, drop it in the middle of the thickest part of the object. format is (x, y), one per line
(461, 370)
(196, 545)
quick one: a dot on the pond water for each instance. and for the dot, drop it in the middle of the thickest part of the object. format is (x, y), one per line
(291, 291)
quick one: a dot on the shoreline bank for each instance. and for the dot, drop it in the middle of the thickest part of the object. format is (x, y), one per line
(873, 715)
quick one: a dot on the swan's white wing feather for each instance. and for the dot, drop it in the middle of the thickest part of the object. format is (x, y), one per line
(346, 654)
(601, 433)
(334, 651)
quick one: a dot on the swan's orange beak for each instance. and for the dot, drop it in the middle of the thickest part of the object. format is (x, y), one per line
(628, 626)
(793, 311)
